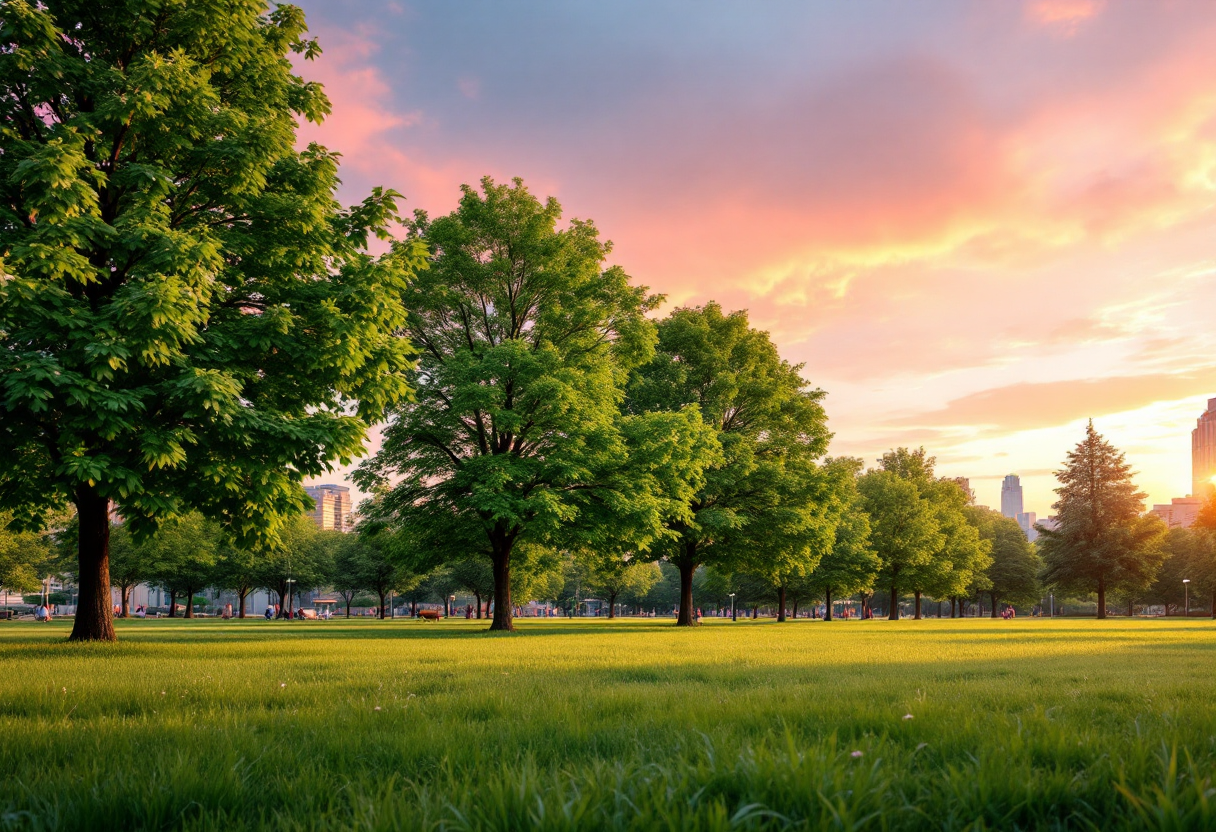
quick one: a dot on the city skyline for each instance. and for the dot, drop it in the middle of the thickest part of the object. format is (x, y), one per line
(873, 187)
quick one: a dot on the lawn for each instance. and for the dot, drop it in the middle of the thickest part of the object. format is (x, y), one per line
(973, 724)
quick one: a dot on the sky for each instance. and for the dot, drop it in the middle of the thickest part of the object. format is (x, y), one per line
(977, 224)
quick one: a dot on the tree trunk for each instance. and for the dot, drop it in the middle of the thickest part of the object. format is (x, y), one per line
(1214, 602)
(381, 594)
(780, 604)
(413, 609)
(348, 600)
(1101, 599)
(953, 605)
(243, 598)
(688, 566)
(795, 610)
(992, 597)
(189, 602)
(125, 593)
(893, 613)
(612, 605)
(827, 606)
(755, 612)
(917, 615)
(94, 607)
(173, 603)
(502, 584)
(477, 598)
(1131, 611)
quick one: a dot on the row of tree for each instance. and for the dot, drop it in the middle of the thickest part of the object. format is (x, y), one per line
(190, 322)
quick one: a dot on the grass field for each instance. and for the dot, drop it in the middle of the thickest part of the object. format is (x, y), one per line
(973, 724)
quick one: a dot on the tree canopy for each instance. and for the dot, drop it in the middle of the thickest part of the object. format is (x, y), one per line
(188, 319)
(764, 504)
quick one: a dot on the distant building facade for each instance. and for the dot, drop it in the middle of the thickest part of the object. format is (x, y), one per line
(1026, 520)
(1011, 496)
(332, 507)
(1203, 453)
(1178, 513)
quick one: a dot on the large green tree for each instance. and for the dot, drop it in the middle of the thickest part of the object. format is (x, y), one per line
(1101, 542)
(764, 505)
(188, 319)
(515, 435)
(903, 530)
(851, 565)
(612, 574)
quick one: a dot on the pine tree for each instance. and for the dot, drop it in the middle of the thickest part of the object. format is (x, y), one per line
(1101, 543)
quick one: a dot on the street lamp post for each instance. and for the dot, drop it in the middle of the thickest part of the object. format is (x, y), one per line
(289, 582)
(451, 603)
(1186, 593)
(732, 607)
(1052, 596)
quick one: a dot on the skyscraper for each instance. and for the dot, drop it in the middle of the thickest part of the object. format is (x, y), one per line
(1203, 453)
(1011, 496)
(332, 507)
(1026, 520)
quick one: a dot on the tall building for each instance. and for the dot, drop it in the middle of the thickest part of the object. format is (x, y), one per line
(1026, 520)
(332, 506)
(1180, 512)
(1011, 496)
(1203, 453)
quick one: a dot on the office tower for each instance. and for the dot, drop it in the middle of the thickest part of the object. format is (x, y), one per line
(1026, 520)
(1203, 453)
(332, 509)
(1180, 512)
(1011, 496)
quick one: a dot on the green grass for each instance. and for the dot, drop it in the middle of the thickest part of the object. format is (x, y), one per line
(610, 725)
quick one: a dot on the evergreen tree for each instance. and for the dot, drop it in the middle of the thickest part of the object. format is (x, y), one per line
(1101, 542)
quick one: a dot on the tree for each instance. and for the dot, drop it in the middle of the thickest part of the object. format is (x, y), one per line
(761, 504)
(962, 562)
(23, 556)
(181, 556)
(851, 565)
(474, 575)
(130, 565)
(1101, 542)
(298, 562)
(188, 320)
(1013, 575)
(239, 569)
(612, 575)
(903, 528)
(515, 435)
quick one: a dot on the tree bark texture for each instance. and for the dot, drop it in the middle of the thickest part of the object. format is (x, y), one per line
(827, 606)
(992, 596)
(780, 604)
(502, 587)
(687, 567)
(94, 610)
(917, 615)
(612, 605)
(893, 613)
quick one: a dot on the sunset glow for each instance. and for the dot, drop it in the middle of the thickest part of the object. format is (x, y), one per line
(977, 224)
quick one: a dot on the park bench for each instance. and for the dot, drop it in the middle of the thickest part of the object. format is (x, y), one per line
(428, 615)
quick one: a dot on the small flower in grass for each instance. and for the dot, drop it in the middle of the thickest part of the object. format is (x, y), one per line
(376, 708)
(856, 754)
(282, 684)
(907, 716)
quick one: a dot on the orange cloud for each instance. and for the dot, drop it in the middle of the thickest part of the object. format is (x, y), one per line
(1063, 16)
